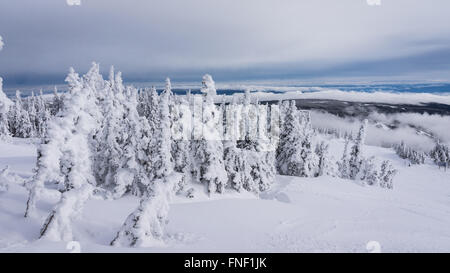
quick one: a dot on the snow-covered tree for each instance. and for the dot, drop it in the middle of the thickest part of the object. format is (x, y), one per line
(19, 119)
(208, 86)
(234, 164)
(440, 154)
(344, 163)
(180, 131)
(43, 116)
(369, 172)
(259, 154)
(309, 166)
(325, 166)
(289, 160)
(108, 157)
(32, 113)
(66, 157)
(5, 104)
(414, 156)
(207, 165)
(131, 175)
(295, 155)
(57, 103)
(174, 116)
(121, 160)
(144, 227)
(356, 153)
(163, 163)
(262, 170)
(153, 112)
(386, 175)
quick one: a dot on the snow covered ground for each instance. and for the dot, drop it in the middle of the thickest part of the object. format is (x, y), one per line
(297, 215)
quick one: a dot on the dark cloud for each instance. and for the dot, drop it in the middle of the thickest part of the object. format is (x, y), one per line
(231, 39)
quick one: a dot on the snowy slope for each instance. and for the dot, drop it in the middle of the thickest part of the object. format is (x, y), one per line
(297, 215)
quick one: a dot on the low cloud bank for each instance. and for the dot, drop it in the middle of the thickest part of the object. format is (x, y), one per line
(379, 133)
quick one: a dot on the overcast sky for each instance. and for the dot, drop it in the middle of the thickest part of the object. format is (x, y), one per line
(232, 39)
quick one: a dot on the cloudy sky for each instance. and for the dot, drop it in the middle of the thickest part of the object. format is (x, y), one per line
(232, 39)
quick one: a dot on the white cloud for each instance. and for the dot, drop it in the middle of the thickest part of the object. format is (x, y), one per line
(436, 124)
(1, 43)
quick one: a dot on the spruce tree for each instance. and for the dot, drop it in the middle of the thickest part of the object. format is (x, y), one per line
(32, 113)
(66, 157)
(144, 227)
(325, 166)
(309, 166)
(5, 104)
(208, 166)
(57, 103)
(386, 175)
(356, 153)
(180, 132)
(369, 172)
(344, 163)
(289, 153)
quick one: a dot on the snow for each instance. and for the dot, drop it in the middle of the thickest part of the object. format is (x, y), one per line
(19, 155)
(323, 214)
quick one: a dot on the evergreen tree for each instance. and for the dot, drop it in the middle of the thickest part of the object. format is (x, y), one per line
(289, 157)
(43, 117)
(440, 154)
(387, 174)
(208, 166)
(66, 157)
(181, 117)
(32, 113)
(144, 227)
(295, 155)
(309, 166)
(369, 172)
(163, 163)
(121, 158)
(414, 157)
(5, 105)
(356, 153)
(344, 163)
(233, 156)
(325, 166)
(109, 155)
(57, 103)
(233, 161)
(20, 122)
(153, 115)
(260, 156)
(129, 176)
